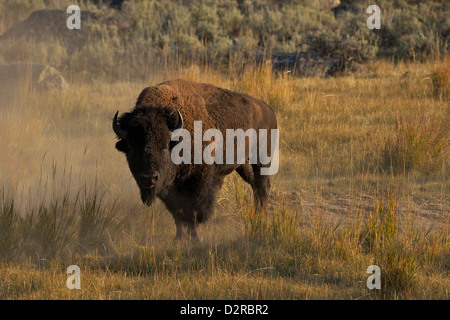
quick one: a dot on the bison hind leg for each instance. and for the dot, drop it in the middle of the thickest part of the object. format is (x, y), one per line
(261, 189)
(246, 173)
(259, 183)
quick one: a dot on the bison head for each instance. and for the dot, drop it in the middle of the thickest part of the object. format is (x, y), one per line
(145, 138)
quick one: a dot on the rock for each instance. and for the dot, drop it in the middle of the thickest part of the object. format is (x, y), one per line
(305, 64)
(345, 67)
(51, 25)
(310, 64)
(342, 8)
(114, 4)
(40, 77)
(328, 4)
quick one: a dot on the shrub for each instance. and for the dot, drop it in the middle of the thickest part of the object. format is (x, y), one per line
(420, 145)
(188, 29)
(415, 46)
(206, 23)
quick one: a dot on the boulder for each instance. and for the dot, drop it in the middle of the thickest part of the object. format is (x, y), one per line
(342, 8)
(309, 64)
(51, 25)
(305, 64)
(40, 77)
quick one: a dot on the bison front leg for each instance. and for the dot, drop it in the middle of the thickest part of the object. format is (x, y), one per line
(188, 230)
(198, 206)
(182, 210)
(181, 229)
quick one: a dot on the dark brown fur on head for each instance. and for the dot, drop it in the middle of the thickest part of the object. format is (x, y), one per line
(147, 148)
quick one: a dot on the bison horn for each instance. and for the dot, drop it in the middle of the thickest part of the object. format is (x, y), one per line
(180, 122)
(122, 134)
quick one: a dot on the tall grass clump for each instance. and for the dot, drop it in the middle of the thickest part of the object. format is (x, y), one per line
(61, 225)
(9, 240)
(51, 227)
(260, 81)
(441, 81)
(382, 240)
(417, 144)
(96, 220)
(278, 226)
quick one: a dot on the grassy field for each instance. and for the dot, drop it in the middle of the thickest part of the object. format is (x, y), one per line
(363, 180)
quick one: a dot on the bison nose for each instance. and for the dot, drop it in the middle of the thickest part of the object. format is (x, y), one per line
(155, 177)
(149, 179)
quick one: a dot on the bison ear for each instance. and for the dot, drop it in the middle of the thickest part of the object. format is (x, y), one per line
(122, 146)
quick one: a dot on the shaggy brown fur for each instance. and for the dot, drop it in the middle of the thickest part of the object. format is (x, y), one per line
(189, 190)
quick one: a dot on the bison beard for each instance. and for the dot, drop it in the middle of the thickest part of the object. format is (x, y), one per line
(148, 196)
(188, 190)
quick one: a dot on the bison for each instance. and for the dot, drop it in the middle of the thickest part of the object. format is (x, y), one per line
(189, 190)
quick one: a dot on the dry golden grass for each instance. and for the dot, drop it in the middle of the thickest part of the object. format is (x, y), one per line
(441, 80)
(337, 204)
